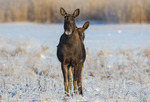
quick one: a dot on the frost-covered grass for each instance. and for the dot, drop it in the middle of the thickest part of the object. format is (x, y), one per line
(30, 72)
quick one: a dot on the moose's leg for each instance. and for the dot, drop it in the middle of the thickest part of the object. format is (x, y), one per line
(75, 75)
(65, 74)
(79, 82)
(70, 79)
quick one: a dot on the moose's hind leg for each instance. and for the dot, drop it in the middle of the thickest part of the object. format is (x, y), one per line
(79, 82)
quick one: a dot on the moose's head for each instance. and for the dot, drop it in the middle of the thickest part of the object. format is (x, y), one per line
(82, 30)
(69, 20)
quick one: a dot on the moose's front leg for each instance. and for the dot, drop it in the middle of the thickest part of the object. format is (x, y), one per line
(65, 74)
(75, 78)
(70, 78)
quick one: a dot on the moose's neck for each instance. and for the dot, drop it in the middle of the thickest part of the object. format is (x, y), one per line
(71, 38)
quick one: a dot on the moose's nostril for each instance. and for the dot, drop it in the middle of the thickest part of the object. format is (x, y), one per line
(67, 32)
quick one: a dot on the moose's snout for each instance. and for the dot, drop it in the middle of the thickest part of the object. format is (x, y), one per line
(68, 28)
(67, 33)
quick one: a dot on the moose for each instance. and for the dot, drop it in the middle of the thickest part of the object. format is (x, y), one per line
(71, 52)
(82, 30)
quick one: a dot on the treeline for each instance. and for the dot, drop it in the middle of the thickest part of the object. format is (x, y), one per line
(47, 11)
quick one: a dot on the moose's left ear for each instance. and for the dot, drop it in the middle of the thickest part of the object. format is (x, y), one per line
(76, 13)
(86, 25)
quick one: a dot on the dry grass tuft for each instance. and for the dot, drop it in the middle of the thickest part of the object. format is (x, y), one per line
(147, 52)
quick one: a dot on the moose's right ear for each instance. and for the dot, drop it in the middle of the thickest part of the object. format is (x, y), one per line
(86, 25)
(63, 12)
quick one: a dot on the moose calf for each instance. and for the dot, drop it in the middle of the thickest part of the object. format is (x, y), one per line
(82, 30)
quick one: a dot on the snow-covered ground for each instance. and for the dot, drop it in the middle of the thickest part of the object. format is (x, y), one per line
(117, 66)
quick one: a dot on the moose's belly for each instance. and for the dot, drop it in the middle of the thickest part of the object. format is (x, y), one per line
(68, 55)
(71, 54)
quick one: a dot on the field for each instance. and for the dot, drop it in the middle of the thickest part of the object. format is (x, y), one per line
(117, 67)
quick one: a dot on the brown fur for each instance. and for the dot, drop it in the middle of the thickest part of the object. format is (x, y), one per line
(71, 52)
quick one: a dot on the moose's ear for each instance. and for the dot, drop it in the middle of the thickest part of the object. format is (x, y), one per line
(63, 12)
(76, 13)
(86, 25)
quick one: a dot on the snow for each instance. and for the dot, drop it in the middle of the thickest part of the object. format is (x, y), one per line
(117, 66)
